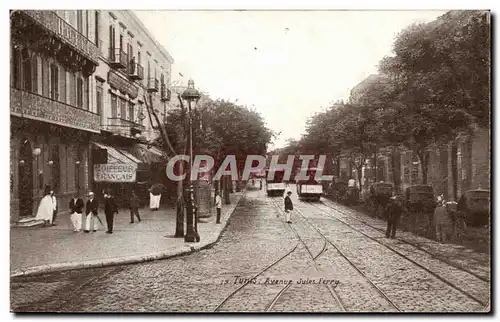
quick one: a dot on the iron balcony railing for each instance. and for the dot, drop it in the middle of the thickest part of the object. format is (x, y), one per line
(122, 126)
(57, 25)
(136, 71)
(153, 85)
(117, 58)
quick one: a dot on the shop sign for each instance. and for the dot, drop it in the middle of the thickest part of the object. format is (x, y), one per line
(116, 172)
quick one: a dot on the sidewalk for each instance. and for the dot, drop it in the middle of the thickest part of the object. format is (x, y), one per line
(40, 250)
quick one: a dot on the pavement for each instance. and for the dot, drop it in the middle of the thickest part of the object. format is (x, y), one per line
(58, 248)
(374, 273)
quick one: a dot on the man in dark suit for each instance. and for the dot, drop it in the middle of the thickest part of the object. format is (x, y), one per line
(76, 211)
(91, 209)
(393, 211)
(288, 207)
(110, 209)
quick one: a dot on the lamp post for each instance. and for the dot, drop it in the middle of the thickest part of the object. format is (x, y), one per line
(191, 95)
(36, 153)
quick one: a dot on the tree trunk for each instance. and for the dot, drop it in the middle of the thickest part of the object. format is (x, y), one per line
(338, 167)
(375, 164)
(360, 175)
(396, 170)
(179, 221)
(226, 182)
(424, 161)
(230, 184)
(216, 187)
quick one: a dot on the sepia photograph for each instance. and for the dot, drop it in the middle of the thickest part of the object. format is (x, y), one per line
(250, 161)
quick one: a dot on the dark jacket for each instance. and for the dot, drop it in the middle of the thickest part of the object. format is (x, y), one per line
(92, 207)
(110, 206)
(76, 206)
(134, 202)
(393, 210)
(288, 203)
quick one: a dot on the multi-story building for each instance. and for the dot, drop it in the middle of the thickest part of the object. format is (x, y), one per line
(53, 111)
(134, 70)
(80, 80)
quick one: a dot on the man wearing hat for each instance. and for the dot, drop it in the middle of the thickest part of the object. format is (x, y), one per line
(288, 207)
(393, 211)
(110, 209)
(91, 210)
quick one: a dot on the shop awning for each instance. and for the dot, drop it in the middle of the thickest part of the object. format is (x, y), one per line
(121, 167)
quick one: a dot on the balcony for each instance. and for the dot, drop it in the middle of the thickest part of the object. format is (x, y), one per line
(49, 20)
(123, 127)
(117, 58)
(165, 93)
(33, 106)
(153, 85)
(136, 71)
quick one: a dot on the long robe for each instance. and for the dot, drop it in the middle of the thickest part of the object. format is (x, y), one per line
(45, 209)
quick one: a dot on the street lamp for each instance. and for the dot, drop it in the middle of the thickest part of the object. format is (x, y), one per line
(191, 95)
(36, 153)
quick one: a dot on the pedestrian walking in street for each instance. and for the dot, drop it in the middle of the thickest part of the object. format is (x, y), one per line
(260, 182)
(76, 208)
(393, 211)
(288, 207)
(110, 209)
(46, 208)
(134, 207)
(218, 206)
(91, 210)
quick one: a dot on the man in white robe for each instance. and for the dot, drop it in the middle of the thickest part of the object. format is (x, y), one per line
(92, 219)
(46, 209)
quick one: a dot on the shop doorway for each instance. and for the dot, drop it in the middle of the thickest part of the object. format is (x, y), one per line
(25, 171)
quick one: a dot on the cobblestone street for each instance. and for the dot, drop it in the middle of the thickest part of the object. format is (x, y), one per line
(263, 264)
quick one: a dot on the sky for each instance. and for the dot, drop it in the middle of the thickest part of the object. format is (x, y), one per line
(285, 64)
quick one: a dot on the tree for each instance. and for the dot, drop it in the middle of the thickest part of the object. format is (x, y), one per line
(432, 70)
(222, 128)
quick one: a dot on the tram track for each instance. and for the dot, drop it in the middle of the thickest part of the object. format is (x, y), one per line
(249, 280)
(474, 298)
(414, 245)
(374, 286)
(314, 258)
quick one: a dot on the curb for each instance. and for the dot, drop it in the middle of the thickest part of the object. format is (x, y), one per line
(210, 241)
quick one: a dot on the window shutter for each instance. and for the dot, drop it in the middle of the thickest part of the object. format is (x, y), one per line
(87, 94)
(62, 77)
(34, 74)
(79, 92)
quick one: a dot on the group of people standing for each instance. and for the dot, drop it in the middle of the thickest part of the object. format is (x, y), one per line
(90, 220)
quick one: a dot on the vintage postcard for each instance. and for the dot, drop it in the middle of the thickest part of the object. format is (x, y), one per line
(306, 161)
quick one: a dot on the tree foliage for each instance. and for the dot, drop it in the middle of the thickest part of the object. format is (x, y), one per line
(435, 86)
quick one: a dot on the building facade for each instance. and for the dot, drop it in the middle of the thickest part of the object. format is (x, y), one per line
(79, 82)
(134, 71)
(53, 56)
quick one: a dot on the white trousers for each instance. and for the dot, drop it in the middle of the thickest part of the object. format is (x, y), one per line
(76, 220)
(91, 221)
(288, 215)
(154, 201)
